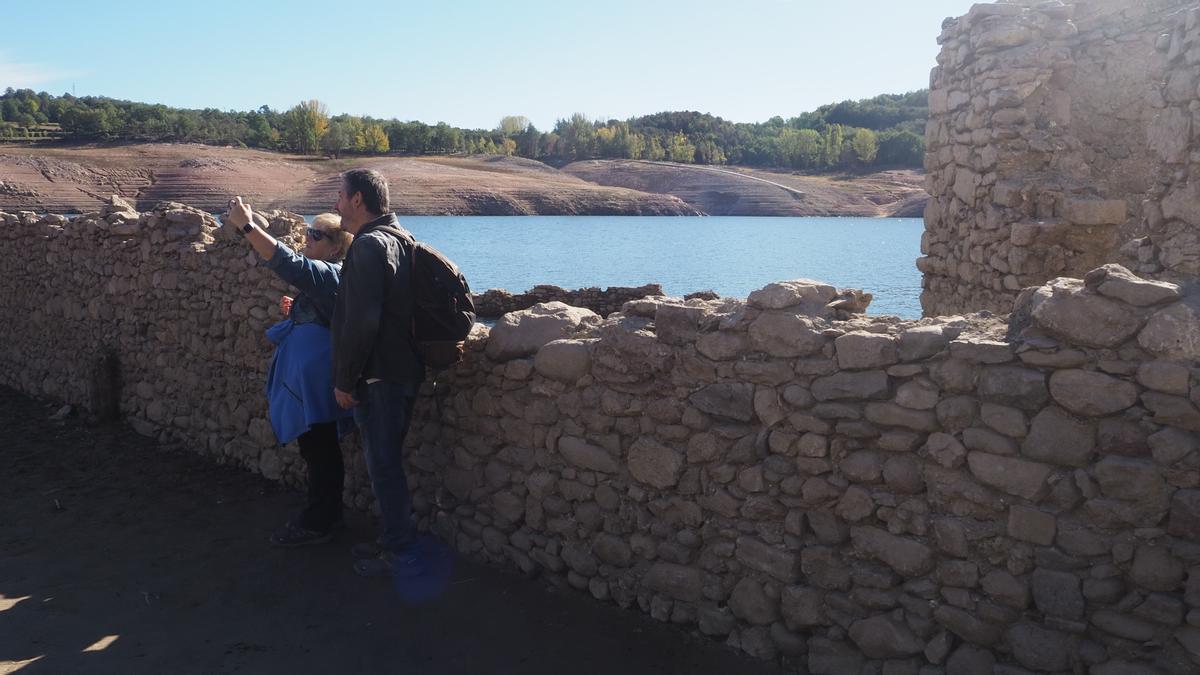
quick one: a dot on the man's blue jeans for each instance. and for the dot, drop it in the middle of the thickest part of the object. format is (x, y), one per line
(383, 414)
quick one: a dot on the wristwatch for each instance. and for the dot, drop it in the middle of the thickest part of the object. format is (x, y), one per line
(247, 228)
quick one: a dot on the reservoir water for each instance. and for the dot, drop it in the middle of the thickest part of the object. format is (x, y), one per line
(730, 255)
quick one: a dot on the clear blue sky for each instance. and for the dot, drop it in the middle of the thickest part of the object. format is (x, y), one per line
(468, 63)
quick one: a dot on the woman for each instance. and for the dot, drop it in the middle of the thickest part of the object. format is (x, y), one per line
(300, 382)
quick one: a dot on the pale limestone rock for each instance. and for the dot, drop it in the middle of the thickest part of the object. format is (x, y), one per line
(808, 294)
(564, 360)
(521, 334)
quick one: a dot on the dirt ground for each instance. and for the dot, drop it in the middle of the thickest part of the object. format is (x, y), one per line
(117, 556)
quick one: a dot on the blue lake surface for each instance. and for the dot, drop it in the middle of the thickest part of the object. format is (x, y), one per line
(730, 255)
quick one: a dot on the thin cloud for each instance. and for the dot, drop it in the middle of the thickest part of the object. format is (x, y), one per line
(23, 75)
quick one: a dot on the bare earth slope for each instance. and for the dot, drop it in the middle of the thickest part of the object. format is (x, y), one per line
(65, 178)
(740, 191)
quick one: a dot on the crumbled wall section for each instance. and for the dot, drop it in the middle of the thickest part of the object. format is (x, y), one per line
(1059, 139)
(848, 493)
(496, 302)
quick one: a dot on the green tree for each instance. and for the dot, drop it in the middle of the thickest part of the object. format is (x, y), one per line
(680, 149)
(511, 125)
(339, 137)
(865, 145)
(834, 138)
(375, 139)
(305, 125)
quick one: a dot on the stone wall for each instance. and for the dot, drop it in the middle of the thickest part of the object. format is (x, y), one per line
(497, 302)
(846, 493)
(1060, 138)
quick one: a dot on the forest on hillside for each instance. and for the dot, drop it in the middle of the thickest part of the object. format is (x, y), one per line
(881, 132)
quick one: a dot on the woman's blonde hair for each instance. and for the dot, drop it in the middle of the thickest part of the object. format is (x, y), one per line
(331, 224)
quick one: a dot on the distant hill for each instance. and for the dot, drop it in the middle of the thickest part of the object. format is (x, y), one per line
(870, 134)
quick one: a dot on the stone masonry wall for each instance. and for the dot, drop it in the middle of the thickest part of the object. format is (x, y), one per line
(849, 494)
(496, 302)
(1060, 138)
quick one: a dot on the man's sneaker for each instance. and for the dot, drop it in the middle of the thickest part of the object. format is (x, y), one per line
(292, 536)
(388, 564)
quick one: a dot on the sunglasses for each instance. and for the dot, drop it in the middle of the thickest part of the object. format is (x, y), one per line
(315, 234)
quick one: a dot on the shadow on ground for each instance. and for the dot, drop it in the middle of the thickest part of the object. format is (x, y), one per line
(120, 557)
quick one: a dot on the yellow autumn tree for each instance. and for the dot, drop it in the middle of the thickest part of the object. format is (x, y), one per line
(305, 125)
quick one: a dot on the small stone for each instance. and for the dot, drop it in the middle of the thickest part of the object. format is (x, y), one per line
(906, 556)
(881, 638)
(1059, 438)
(1039, 649)
(1031, 525)
(1057, 594)
(1155, 569)
(655, 464)
(1164, 376)
(859, 350)
(1011, 474)
(1091, 393)
(749, 602)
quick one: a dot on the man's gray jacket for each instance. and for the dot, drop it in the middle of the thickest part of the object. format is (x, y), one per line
(372, 319)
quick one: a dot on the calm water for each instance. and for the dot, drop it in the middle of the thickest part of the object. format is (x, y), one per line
(730, 255)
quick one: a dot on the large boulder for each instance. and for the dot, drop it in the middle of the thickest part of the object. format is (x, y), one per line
(808, 295)
(564, 360)
(520, 334)
(1068, 310)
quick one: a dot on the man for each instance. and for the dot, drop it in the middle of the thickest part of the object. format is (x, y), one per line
(376, 370)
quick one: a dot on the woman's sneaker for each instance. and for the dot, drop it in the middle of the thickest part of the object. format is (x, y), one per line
(292, 536)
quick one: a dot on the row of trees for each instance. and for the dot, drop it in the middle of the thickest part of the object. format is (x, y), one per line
(882, 131)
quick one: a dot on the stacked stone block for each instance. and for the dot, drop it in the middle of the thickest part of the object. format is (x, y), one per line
(1058, 140)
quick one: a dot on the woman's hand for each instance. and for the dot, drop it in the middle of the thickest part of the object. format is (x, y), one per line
(285, 305)
(239, 213)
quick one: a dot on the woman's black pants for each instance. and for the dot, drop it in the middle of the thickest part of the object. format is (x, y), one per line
(320, 449)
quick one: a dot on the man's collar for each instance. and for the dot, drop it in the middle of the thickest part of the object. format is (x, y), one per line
(387, 219)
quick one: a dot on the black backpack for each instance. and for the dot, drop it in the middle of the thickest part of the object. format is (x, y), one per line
(443, 312)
